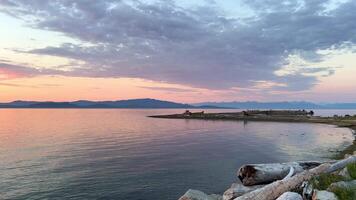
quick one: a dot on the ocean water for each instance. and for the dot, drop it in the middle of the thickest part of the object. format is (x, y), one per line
(122, 154)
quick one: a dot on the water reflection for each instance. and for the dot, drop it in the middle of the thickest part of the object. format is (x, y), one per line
(122, 154)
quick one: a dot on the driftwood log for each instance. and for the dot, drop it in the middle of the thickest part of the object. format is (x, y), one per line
(257, 174)
(238, 189)
(277, 188)
(341, 164)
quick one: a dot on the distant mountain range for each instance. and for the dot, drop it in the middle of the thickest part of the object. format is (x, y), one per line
(279, 105)
(132, 103)
(154, 103)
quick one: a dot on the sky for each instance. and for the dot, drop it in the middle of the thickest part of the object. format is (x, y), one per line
(180, 50)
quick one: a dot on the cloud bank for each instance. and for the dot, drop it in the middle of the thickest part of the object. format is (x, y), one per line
(199, 46)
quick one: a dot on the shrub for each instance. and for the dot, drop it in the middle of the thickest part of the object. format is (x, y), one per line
(323, 181)
(351, 168)
(345, 193)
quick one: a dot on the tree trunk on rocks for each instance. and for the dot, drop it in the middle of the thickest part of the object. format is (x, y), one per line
(237, 189)
(277, 188)
(341, 164)
(257, 174)
(290, 196)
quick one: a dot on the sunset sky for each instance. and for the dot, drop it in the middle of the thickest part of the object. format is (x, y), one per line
(184, 50)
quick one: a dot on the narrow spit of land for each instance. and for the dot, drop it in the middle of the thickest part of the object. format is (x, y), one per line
(301, 116)
(268, 115)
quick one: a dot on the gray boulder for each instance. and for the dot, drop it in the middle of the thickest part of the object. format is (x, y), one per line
(343, 184)
(199, 195)
(323, 195)
(290, 196)
(237, 189)
(344, 173)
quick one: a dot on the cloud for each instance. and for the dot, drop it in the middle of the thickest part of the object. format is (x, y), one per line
(16, 85)
(199, 46)
(9, 71)
(167, 89)
(50, 85)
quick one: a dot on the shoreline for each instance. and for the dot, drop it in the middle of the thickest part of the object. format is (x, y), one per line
(303, 179)
(338, 121)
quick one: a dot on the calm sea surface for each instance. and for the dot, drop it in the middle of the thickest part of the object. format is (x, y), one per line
(122, 154)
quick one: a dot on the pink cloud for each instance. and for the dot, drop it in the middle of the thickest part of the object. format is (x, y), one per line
(8, 74)
(9, 71)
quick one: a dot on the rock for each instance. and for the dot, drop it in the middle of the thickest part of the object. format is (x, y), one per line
(347, 155)
(237, 189)
(323, 195)
(344, 173)
(343, 184)
(290, 196)
(199, 195)
(216, 197)
(351, 154)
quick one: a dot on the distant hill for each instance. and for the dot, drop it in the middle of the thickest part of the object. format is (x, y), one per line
(132, 103)
(279, 105)
(154, 103)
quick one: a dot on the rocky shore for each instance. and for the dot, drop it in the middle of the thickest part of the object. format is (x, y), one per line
(308, 180)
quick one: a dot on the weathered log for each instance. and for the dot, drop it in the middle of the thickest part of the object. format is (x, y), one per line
(290, 174)
(290, 196)
(277, 188)
(237, 189)
(341, 164)
(257, 174)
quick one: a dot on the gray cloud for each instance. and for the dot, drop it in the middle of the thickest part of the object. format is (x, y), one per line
(11, 71)
(14, 71)
(198, 46)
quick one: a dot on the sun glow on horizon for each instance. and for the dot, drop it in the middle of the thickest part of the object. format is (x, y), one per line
(183, 51)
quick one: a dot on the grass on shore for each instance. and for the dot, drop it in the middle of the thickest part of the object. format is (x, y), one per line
(323, 181)
(351, 168)
(349, 150)
(345, 193)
